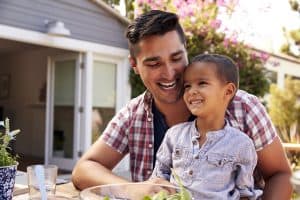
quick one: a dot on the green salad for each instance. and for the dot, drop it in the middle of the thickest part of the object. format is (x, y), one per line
(182, 194)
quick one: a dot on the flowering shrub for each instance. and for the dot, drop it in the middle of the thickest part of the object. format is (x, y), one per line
(201, 20)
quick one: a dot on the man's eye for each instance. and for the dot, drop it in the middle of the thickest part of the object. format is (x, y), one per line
(152, 64)
(202, 83)
(177, 58)
(186, 86)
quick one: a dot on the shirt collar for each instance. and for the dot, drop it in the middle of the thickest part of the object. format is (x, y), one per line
(212, 134)
(148, 99)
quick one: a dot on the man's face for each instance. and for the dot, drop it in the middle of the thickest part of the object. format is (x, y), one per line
(160, 62)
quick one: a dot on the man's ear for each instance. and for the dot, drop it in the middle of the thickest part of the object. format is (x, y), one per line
(230, 90)
(132, 62)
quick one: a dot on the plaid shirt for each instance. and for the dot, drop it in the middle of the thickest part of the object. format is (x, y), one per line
(132, 129)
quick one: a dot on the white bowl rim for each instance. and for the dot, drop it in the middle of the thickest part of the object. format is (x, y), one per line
(123, 184)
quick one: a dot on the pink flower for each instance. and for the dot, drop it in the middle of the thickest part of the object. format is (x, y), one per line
(191, 1)
(221, 3)
(177, 3)
(140, 2)
(253, 56)
(264, 56)
(226, 42)
(215, 24)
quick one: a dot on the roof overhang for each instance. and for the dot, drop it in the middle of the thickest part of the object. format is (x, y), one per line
(112, 11)
(43, 39)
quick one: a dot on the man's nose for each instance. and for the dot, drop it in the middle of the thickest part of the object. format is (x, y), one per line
(169, 71)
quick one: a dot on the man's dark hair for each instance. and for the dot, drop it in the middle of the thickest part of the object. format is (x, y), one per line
(226, 69)
(154, 22)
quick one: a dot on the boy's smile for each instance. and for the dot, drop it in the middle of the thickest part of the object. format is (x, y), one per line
(204, 92)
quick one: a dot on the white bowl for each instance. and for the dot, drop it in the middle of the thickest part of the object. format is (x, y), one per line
(126, 191)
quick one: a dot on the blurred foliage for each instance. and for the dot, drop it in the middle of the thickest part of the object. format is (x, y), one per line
(112, 2)
(292, 45)
(137, 86)
(295, 35)
(294, 5)
(284, 110)
(129, 5)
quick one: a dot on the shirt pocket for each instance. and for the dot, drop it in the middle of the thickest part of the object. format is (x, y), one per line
(218, 170)
(182, 159)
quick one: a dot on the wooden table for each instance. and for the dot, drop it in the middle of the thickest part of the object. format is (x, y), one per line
(66, 190)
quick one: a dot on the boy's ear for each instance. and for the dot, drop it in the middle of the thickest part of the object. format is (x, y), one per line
(230, 90)
(132, 62)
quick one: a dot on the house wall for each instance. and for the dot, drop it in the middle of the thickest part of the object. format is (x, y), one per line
(283, 67)
(27, 73)
(83, 18)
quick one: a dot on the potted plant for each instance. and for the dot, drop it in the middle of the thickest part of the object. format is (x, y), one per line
(8, 162)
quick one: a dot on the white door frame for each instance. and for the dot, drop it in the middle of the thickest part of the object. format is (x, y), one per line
(123, 91)
(63, 163)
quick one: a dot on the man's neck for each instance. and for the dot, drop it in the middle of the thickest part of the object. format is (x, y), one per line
(174, 113)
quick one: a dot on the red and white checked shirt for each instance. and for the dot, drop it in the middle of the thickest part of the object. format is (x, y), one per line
(132, 129)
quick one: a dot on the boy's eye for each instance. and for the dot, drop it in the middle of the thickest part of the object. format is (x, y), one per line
(202, 83)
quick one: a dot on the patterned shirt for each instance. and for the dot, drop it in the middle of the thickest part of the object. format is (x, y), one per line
(132, 129)
(222, 168)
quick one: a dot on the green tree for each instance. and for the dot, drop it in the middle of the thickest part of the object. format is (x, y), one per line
(129, 6)
(292, 45)
(284, 110)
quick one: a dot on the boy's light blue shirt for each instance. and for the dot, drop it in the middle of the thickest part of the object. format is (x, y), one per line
(222, 168)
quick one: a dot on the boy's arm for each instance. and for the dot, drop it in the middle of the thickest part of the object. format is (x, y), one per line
(274, 166)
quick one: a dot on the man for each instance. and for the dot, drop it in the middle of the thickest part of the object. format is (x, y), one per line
(158, 54)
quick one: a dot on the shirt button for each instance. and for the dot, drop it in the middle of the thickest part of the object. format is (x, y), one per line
(149, 172)
(149, 119)
(194, 142)
(191, 172)
(197, 157)
(150, 145)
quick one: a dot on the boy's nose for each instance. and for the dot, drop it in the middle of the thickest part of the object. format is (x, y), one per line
(193, 91)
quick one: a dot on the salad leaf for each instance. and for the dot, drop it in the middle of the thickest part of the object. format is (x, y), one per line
(184, 194)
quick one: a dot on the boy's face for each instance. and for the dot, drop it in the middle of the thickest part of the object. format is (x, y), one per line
(160, 62)
(204, 93)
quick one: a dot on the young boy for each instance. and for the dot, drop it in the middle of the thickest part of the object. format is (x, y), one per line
(212, 159)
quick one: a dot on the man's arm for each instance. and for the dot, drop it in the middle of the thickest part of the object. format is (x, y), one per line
(275, 168)
(94, 167)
